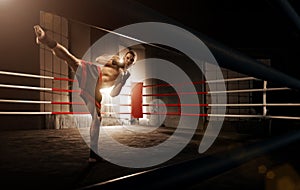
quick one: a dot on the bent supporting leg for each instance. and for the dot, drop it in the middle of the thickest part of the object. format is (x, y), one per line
(94, 139)
(94, 131)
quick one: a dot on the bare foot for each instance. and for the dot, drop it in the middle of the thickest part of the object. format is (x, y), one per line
(40, 34)
(95, 160)
(92, 160)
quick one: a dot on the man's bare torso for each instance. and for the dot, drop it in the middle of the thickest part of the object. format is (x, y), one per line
(109, 74)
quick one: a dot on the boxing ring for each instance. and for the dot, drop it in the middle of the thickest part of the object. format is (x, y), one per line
(140, 109)
(263, 106)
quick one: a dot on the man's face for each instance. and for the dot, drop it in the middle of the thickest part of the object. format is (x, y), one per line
(128, 59)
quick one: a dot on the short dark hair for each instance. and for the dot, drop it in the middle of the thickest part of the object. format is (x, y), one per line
(133, 53)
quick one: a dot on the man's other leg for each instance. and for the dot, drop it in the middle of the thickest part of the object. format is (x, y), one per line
(94, 131)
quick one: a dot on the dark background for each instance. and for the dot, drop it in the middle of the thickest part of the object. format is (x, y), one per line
(257, 28)
(252, 26)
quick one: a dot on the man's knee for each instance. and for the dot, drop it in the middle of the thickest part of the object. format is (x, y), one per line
(98, 111)
(97, 121)
(97, 118)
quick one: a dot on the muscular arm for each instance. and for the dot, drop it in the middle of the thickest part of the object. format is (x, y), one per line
(119, 83)
(108, 59)
(56, 48)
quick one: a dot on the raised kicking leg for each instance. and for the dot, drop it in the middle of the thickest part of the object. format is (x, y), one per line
(57, 49)
(62, 53)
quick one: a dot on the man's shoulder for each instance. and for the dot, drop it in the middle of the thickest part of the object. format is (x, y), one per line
(103, 59)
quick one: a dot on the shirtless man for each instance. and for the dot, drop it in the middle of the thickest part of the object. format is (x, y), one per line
(91, 79)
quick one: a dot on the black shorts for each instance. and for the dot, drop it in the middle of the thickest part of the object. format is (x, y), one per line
(88, 75)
